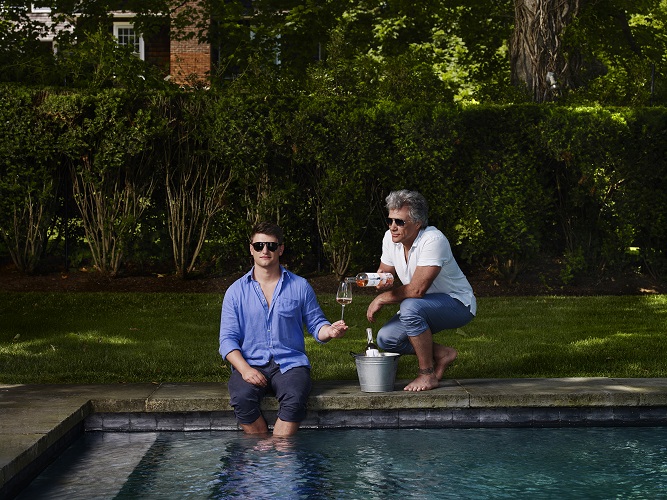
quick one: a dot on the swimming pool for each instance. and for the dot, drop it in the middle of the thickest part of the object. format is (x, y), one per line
(586, 462)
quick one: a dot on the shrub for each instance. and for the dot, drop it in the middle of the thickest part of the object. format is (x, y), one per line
(29, 166)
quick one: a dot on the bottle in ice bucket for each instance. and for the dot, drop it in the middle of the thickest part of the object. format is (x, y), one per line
(372, 279)
(371, 348)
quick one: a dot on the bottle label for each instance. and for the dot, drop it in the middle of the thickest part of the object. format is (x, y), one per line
(373, 279)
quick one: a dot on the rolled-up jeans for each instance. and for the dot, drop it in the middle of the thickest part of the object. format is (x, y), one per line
(434, 311)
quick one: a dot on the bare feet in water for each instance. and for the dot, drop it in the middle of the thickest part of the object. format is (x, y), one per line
(427, 381)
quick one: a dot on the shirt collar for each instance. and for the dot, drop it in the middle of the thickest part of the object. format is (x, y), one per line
(419, 236)
(248, 276)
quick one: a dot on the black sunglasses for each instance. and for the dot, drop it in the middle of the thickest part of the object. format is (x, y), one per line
(399, 222)
(271, 245)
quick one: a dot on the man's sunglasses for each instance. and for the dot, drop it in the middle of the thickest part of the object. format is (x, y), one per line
(271, 245)
(399, 222)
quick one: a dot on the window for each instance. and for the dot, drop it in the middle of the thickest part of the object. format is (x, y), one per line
(35, 9)
(276, 47)
(126, 35)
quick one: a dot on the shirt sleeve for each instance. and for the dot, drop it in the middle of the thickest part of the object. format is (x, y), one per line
(231, 337)
(313, 315)
(434, 251)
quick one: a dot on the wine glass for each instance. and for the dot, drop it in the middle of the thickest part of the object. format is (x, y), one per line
(344, 296)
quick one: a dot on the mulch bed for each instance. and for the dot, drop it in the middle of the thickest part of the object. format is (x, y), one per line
(535, 281)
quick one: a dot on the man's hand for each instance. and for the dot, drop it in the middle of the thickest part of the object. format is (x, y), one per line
(254, 377)
(248, 373)
(384, 268)
(334, 331)
(373, 308)
(421, 281)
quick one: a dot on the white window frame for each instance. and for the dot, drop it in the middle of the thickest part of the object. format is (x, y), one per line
(36, 10)
(127, 25)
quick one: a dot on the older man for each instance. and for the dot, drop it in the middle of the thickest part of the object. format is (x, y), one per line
(435, 294)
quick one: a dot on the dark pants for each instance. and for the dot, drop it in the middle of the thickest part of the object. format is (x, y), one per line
(290, 388)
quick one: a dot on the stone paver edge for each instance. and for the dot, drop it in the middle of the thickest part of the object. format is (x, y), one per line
(340, 396)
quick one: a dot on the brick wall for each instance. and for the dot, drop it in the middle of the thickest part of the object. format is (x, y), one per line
(189, 60)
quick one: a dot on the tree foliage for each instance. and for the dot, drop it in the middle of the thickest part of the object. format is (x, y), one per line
(604, 51)
(318, 108)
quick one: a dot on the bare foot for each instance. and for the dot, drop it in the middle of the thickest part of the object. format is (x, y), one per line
(422, 383)
(274, 443)
(443, 358)
(264, 445)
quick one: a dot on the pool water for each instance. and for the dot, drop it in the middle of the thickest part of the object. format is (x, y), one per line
(609, 462)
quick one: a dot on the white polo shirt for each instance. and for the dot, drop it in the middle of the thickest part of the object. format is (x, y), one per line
(430, 248)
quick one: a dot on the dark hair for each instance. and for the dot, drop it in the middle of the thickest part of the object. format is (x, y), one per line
(268, 228)
(412, 199)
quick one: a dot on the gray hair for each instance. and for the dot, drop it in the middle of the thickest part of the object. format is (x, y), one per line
(412, 199)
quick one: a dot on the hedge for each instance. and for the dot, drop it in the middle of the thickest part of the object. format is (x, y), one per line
(176, 179)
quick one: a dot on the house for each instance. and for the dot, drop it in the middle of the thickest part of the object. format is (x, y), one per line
(182, 60)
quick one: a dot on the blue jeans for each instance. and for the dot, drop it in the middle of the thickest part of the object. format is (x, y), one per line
(434, 311)
(291, 389)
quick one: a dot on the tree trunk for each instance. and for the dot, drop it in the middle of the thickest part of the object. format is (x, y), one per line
(536, 46)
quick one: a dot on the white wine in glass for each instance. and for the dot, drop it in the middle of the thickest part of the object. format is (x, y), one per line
(344, 296)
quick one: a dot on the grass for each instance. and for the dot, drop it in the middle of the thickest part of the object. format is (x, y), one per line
(137, 337)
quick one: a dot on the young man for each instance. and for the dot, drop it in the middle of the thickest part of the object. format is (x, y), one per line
(435, 294)
(261, 335)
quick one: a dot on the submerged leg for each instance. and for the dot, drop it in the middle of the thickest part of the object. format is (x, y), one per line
(284, 429)
(258, 427)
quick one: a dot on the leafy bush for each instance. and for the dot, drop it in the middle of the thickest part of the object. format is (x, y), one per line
(506, 204)
(504, 183)
(29, 166)
(107, 139)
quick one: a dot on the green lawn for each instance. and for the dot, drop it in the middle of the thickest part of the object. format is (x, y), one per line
(136, 337)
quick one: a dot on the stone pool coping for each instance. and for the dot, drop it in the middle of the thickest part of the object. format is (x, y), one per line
(38, 421)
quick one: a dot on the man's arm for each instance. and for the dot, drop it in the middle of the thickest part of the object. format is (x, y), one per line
(249, 374)
(420, 283)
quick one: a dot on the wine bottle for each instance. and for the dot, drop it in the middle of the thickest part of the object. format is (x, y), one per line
(371, 279)
(371, 347)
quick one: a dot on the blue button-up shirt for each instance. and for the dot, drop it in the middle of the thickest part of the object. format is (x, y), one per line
(261, 332)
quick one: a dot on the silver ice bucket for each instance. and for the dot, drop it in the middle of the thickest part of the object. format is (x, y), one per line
(377, 373)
